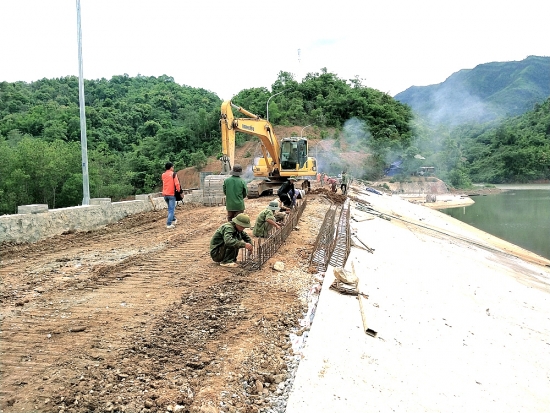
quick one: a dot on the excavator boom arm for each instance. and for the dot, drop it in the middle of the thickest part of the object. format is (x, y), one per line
(251, 125)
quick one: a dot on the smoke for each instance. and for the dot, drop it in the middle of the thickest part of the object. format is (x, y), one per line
(248, 175)
(356, 134)
(346, 150)
(454, 105)
(445, 115)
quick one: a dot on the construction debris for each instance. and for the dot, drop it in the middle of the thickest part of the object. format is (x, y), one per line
(366, 328)
(279, 266)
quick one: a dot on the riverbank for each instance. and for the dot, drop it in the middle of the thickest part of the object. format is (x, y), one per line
(462, 319)
(441, 201)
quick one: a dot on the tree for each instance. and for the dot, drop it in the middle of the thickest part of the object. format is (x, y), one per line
(198, 160)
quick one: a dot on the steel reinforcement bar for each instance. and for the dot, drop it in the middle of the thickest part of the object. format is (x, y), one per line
(265, 248)
(342, 243)
(325, 239)
(333, 242)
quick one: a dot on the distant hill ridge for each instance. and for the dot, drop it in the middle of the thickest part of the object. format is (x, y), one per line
(486, 92)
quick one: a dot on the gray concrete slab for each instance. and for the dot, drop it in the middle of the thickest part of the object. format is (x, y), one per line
(32, 209)
(460, 328)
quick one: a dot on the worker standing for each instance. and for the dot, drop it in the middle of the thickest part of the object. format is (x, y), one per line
(235, 191)
(170, 184)
(229, 239)
(344, 183)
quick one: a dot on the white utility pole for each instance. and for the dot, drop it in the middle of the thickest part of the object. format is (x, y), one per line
(83, 141)
(267, 110)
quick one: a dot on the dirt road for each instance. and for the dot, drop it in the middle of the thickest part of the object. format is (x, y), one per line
(137, 318)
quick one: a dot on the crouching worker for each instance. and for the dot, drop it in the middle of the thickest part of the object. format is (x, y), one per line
(266, 220)
(229, 239)
(286, 192)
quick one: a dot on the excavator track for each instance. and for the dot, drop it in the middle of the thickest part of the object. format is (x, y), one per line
(259, 187)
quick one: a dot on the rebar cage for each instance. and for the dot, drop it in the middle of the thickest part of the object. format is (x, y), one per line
(332, 245)
(265, 248)
(333, 242)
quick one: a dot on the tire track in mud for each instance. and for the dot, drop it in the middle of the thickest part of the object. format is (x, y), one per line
(146, 322)
(66, 321)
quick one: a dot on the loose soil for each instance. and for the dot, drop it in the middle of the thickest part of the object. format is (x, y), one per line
(136, 317)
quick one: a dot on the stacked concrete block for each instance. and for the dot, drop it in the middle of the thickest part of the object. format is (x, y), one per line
(203, 175)
(213, 200)
(35, 222)
(100, 201)
(32, 209)
(195, 196)
(143, 197)
(212, 190)
(188, 198)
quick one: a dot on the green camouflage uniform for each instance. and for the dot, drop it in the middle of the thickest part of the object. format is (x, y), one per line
(344, 183)
(235, 191)
(261, 228)
(226, 242)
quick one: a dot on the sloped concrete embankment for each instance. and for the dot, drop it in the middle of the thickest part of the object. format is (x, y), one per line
(461, 327)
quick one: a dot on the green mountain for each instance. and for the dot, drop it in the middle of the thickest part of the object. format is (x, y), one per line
(515, 150)
(136, 124)
(487, 92)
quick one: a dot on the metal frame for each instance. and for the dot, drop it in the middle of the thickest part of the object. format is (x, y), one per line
(333, 242)
(265, 248)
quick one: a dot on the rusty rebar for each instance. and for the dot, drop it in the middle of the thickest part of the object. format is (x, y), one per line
(333, 242)
(265, 248)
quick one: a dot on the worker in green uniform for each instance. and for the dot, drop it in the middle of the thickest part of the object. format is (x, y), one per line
(344, 183)
(229, 239)
(266, 220)
(235, 192)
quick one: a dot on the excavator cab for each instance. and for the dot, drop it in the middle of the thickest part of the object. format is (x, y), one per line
(293, 153)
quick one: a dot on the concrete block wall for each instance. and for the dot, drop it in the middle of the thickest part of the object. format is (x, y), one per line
(31, 226)
(212, 190)
(35, 222)
(32, 209)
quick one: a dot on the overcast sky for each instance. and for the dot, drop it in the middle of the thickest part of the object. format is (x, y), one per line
(227, 46)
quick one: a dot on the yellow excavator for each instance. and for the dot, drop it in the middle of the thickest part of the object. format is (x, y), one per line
(280, 159)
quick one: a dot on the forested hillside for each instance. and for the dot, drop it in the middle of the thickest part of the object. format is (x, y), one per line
(133, 124)
(516, 150)
(487, 92)
(136, 124)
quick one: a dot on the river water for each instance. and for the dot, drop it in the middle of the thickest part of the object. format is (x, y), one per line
(520, 215)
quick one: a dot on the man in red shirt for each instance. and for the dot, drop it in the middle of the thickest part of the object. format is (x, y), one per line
(170, 184)
(333, 182)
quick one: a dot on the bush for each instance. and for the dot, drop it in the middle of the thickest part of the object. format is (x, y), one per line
(198, 160)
